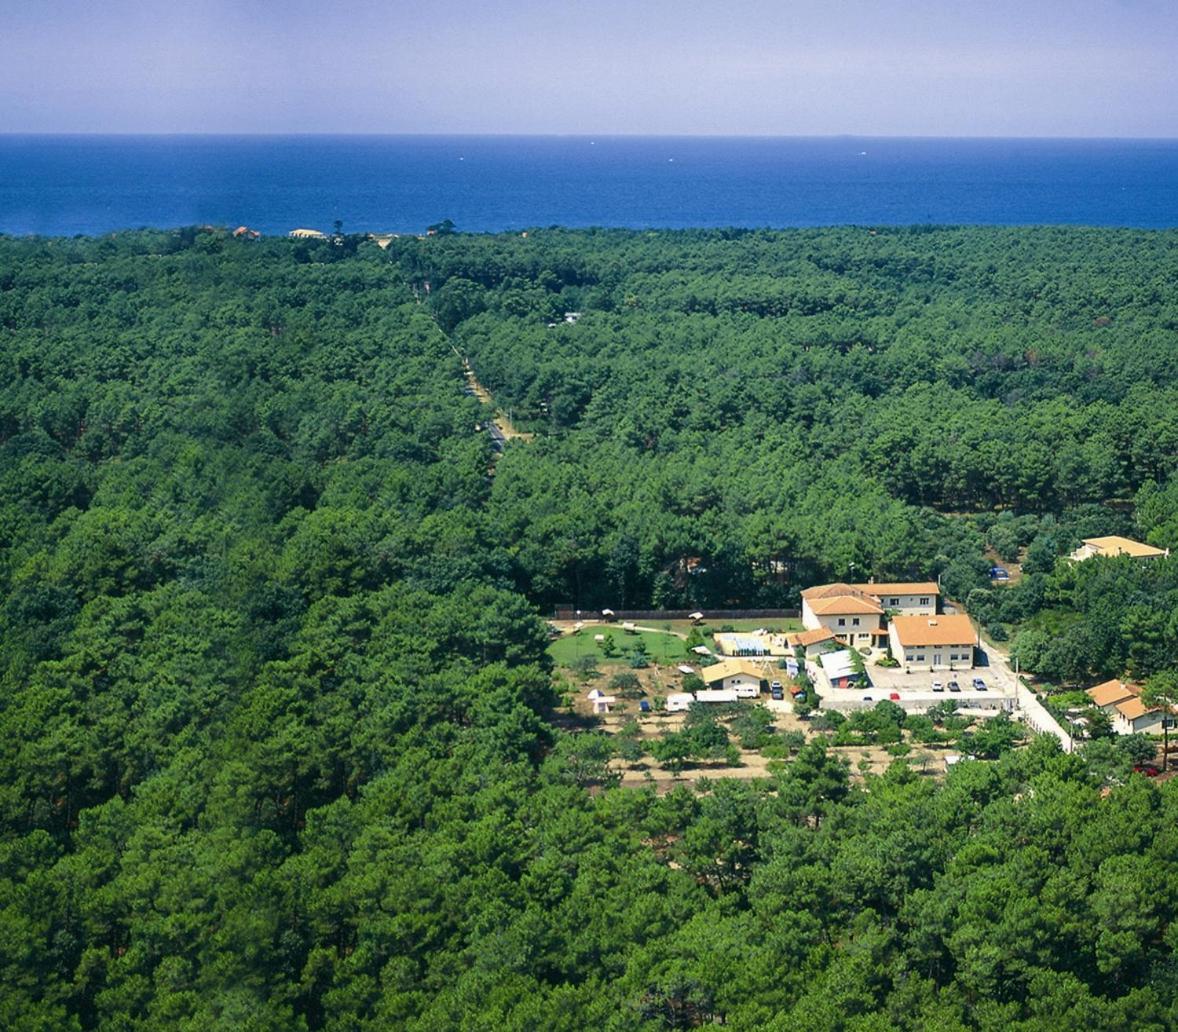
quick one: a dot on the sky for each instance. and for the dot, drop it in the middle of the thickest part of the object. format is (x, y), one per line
(743, 67)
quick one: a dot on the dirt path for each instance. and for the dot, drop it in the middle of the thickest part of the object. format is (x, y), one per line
(507, 430)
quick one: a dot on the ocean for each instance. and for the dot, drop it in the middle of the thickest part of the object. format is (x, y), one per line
(65, 185)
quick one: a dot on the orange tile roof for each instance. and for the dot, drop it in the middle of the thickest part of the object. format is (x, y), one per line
(882, 588)
(806, 638)
(1111, 692)
(934, 630)
(828, 590)
(730, 668)
(1133, 708)
(838, 604)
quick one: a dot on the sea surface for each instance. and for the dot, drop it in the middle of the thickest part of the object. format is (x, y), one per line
(64, 185)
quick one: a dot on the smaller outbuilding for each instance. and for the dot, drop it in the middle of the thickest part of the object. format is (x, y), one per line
(815, 642)
(839, 670)
(679, 702)
(737, 675)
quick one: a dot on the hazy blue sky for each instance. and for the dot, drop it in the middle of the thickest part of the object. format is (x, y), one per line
(875, 67)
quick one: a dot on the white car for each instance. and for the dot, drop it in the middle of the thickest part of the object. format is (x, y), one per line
(938, 687)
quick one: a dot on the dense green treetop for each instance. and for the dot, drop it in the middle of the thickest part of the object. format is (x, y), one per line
(275, 748)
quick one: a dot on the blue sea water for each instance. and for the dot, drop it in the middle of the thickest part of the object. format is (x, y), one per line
(62, 185)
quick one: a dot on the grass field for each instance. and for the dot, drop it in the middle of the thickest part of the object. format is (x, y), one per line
(779, 625)
(660, 647)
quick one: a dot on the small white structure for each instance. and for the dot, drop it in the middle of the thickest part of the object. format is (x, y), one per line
(702, 650)
(307, 234)
(601, 701)
(679, 702)
(608, 614)
(599, 638)
(683, 668)
(629, 628)
(717, 695)
(696, 617)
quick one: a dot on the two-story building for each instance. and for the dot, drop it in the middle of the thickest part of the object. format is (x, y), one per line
(855, 616)
(910, 598)
(938, 642)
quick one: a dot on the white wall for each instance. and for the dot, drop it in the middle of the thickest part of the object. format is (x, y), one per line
(936, 657)
(853, 634)
(910, 605)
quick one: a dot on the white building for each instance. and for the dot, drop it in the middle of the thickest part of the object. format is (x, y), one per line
(1121, 700)
(736, 675)
(1113, 545)
(935, 642)
(679, 702)
(854, 616)
(909, 598)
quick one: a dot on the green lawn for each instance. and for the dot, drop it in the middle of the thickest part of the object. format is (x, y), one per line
(779, 625)
(660, 647)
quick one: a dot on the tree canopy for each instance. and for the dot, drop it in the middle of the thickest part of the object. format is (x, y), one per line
(276, 747)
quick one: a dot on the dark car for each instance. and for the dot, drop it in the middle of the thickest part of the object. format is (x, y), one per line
(954, 686)
(775, 692)
(979, 684)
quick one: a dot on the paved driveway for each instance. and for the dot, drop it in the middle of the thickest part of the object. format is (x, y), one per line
(915, 689)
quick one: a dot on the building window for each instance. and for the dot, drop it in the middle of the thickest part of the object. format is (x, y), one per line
(920, 658)
(854, 621)
(893, 602)
(924, 601)
(842, 621)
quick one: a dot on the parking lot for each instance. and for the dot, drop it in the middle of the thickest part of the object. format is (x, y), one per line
(915, 688)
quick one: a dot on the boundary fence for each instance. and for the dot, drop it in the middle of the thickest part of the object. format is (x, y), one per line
(711, 615)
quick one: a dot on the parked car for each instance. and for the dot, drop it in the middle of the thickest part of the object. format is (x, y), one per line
(938, 687)
(954, 686)
(774, 686)
(999, 573)
(979, 684)
(1148, 769)
(775, 692)
(895, 696)
(868, 698)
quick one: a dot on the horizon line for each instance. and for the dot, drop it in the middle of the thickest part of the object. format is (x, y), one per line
(578, 135)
